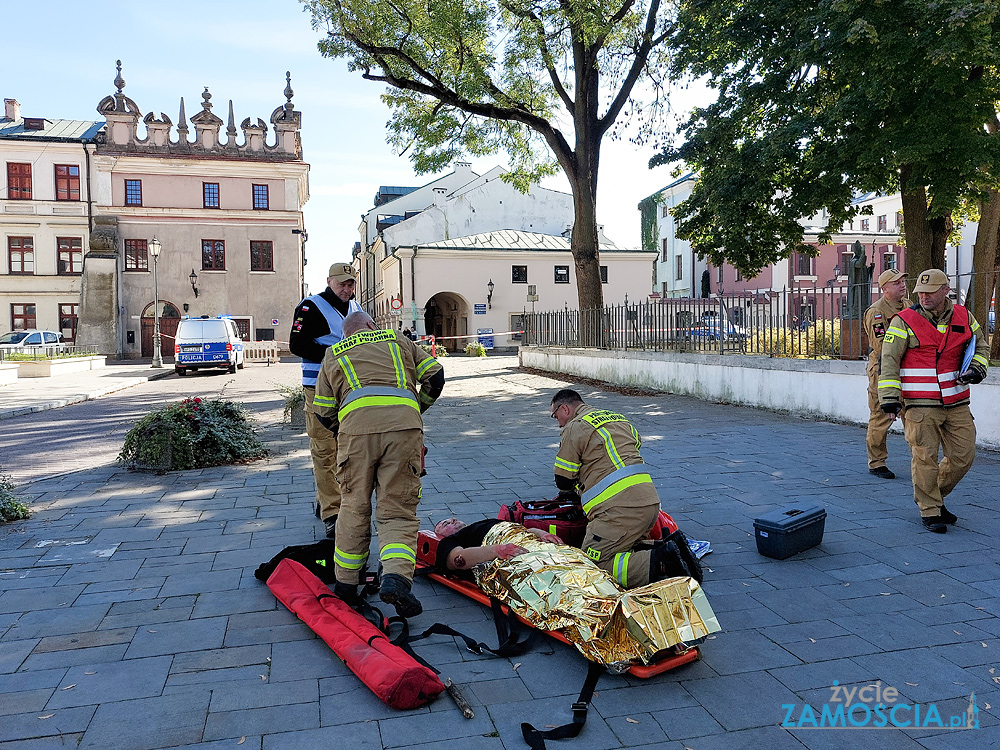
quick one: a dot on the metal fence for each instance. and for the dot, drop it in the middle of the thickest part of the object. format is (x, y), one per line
(814, 322)
(50, 351)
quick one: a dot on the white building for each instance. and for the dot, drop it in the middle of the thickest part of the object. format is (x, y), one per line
(473, 226)
(46, 208)
(678, 268)
(454, 289)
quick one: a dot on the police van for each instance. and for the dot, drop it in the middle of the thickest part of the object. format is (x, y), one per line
(207, 342)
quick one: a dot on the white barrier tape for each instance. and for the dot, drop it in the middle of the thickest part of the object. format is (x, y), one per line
(469, 336)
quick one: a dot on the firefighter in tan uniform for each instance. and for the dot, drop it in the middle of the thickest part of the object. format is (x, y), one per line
(599, 456)
(922, 369)
(876, 321)
(367, 392)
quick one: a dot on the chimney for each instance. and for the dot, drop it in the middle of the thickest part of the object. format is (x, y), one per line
(12, 110)
(439, 195)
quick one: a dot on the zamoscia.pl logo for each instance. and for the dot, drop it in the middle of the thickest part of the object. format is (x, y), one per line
(874, 706)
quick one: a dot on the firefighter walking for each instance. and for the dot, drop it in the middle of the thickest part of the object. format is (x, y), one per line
(366, 391)
(922, 369)
(876, 321)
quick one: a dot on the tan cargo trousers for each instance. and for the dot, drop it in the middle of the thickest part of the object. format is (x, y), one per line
(615, 526)
(928, 429)
(323, 449)
(878, 422)
(389, 464)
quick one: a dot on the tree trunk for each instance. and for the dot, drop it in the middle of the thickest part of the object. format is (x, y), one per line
(984, 257)
(995, 341)
(920, 234)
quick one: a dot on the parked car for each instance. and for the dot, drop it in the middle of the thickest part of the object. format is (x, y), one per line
(32, 341)
(711, 330)
(207, 342)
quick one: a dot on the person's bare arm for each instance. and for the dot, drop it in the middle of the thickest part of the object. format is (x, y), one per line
(463, 558)
(545, 536)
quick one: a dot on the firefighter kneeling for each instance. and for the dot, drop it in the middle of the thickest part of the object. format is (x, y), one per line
(367, 393)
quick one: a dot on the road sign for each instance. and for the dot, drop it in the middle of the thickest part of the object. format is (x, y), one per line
(396, 304)
(485, 337)
(395, 312)
(274, 321)
(532, 298)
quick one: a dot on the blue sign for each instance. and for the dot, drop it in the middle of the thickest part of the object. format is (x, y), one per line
(485, 337)
(480, 309)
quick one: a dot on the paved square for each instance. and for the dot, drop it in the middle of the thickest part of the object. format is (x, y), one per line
(130, 617)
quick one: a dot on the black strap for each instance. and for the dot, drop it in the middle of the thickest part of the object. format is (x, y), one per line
(536, 739)
(512, 637)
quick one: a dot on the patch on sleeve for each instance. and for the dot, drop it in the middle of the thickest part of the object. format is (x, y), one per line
(879, 329)
(888, 339)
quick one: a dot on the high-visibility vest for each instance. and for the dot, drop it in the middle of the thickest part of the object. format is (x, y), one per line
(335, 322)
(931, 370)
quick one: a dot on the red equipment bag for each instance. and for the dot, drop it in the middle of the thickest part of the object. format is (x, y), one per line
(664, 526)
(389, 671)
(563, 518)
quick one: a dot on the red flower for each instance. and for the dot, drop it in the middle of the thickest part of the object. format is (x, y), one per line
(197, 400)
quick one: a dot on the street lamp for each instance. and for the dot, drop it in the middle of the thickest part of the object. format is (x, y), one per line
(489, 294)
(193, 278)
(154, 250)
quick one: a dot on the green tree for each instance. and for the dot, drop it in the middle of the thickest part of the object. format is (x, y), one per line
(543, 80)
(818, 100)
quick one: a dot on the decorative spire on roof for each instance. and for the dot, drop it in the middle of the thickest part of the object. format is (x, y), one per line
(119, 81)
(288, 87)
(118, 103)
(206, 117)
(231, 127)
(182, 126)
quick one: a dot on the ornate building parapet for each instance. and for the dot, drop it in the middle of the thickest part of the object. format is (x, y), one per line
(122, 135)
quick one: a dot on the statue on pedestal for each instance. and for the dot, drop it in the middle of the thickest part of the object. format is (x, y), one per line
(859, 279)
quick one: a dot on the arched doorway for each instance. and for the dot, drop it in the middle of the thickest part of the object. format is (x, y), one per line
(169, 318)
(446, 314)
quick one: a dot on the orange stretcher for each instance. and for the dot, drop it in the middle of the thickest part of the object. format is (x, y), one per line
(427, 542)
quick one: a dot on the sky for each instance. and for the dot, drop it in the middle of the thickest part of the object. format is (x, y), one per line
(61, 63)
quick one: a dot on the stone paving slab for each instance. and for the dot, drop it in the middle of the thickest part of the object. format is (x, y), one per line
(130, 617)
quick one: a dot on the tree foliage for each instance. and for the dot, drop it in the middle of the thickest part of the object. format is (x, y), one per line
(542, 80)
(818, 100)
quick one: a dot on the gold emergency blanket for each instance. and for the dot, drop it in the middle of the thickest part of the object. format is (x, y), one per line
(555, 587)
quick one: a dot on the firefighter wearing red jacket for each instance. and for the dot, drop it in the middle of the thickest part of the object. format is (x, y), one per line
(922, 355)
(367, 391)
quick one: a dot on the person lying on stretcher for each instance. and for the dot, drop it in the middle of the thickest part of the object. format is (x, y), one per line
(461, 546)
(461, 549)
(557, 587)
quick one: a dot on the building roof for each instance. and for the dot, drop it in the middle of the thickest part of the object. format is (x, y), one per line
(675, 183)
(513, 239)
(53, 130)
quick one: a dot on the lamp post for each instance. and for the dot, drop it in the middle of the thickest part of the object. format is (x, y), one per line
(489, 294)
(154, 250)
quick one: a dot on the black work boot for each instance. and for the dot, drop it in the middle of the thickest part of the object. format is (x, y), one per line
(348, 592)
(947, 516)
(673, 557)
(934, 523)
(395, 590)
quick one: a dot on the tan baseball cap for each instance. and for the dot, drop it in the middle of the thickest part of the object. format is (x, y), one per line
(342, 272)
(931, 280)
(889, 276)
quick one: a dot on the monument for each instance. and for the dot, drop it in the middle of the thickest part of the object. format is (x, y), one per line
(853, 341)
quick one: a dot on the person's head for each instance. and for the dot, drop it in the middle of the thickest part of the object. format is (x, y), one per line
(358, 321)
(564, 405)
(342, 280)
(932, 289)
(893, 284)
(447, 527)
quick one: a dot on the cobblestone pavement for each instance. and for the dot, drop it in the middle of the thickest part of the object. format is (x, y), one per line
(130, 617)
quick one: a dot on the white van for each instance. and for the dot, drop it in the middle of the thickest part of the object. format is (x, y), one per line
(207, 342)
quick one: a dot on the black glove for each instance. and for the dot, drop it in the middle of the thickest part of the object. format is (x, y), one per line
(568, 496)
(892, 407)
(329, 423)
(974, 375)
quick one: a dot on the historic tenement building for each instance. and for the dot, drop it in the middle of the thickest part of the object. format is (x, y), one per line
(46, 208)
(226, 211)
